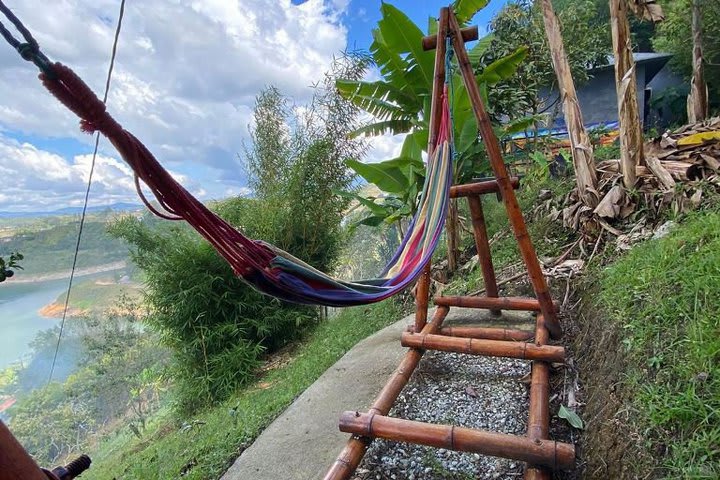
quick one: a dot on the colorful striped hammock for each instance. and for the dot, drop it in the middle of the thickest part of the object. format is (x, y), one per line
(265, 267)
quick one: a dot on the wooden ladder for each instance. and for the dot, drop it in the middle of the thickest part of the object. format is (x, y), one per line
(541, 454)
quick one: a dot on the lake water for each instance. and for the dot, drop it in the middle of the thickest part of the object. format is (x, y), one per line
(19, 318)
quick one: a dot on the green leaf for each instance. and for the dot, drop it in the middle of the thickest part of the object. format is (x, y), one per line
(571, 417)
(379, 99)
(393, 126)
(468, 135)
(411, 147)
(369, 203)
(402, 36)
(466, 9)
(388, 179)
(503, 68)
(519, 125)
(475, 53)
(372, 221)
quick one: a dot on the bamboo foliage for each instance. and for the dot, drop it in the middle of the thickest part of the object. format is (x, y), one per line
(697, 101)
(582, 152)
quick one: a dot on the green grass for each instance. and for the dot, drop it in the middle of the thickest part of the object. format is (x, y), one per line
(220, 433)
(665, 295)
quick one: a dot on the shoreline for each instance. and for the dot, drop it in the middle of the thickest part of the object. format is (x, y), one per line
(106, 267)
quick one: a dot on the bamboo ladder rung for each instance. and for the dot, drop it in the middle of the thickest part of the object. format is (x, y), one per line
(480, 188)
(493, 303)
(489, 348)
(488, 333)
(548, 453)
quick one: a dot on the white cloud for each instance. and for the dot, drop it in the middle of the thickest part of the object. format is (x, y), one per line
(385, 147)
(186, 74)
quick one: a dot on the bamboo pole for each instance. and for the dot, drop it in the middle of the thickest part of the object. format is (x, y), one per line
(631, 141)
(544, 452)
(15, 463)
(508, 195)
(468, 35)
(421, 298)
(697, 101)
(491, 303)
(581, 149)
(480, 188)
(487, 333)
(483, 248)
(488, 348)
(349, 458)
(539, 410)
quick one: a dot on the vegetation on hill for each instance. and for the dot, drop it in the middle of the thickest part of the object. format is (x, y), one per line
(48, 244)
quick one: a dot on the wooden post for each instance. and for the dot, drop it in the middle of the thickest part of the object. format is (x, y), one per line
(631, 140)
(539, 410)
(482, 244)
(488, 333)
(580, 147)
(488, 348)
(697, 101)
(15, 463)
(508, 195)
(421, 298)
(480, 188)
(544, 452)
(501, 303)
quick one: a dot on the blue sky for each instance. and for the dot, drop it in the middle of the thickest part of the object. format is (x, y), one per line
(185, 80)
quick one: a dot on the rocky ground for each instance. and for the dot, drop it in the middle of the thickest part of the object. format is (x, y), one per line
(450, 388)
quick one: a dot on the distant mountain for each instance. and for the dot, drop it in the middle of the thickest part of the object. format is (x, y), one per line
(116, 207)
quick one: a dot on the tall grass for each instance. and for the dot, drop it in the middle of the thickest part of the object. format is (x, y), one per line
(665, 295)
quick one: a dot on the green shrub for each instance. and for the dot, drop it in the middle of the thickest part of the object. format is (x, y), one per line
(215, 324)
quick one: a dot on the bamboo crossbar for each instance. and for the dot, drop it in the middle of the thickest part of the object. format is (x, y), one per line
(493, 303)
(542, 452)
(468, 35)
(487, 333)
(489, 348)
(350, 457)
(480, 188)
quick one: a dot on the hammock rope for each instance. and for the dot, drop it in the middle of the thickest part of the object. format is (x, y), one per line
(265, 267)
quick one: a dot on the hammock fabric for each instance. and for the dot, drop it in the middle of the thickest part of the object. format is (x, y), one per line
(267, 268)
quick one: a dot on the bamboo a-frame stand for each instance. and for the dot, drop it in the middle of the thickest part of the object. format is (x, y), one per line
(535, 448)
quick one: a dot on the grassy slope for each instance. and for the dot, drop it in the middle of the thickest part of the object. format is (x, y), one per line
(219, 434)
(664, 297)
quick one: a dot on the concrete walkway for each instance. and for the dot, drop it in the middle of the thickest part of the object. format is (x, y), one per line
(304, 441)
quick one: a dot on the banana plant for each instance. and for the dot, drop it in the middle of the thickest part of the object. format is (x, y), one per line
(400, 100)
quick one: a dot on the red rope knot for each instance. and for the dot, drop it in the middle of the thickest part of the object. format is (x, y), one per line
(70, 89)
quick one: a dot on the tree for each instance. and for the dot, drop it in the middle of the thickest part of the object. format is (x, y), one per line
(674, 35)
(631, 139)
(521, 23)
(697, 102)
(581, 151)
(6, 266)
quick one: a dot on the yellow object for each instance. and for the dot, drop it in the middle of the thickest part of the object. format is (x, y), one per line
(698, 138)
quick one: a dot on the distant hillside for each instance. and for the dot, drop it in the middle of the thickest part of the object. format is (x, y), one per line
(48, 243)
(115, 207)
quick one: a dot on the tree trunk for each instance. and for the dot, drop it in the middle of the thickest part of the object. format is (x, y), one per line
(697, 101)
(581, 149)
(631, 140)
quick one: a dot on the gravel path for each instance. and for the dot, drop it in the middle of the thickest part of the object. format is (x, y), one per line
(463, 390)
